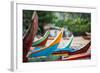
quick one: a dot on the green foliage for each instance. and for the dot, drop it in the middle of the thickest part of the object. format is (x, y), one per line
(27, 17)
(75, 22)
(45, 17)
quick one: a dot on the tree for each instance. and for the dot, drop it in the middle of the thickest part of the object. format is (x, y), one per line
(75, 22)
(27, 17)
(45, 17)
(79, 22)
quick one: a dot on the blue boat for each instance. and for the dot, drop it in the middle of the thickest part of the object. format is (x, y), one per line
(47, 50)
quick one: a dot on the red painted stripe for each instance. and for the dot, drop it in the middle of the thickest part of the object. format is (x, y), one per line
(43, 42)
(80, 57)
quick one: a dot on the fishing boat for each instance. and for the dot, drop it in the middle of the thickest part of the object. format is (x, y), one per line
(47, 50)
(73, 53)
(78, 56)
(85, 55)
(42, 41)
(29, 36)
(81, 50)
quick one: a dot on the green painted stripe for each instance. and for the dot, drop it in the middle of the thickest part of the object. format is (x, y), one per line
(42, 39)
(69, 44)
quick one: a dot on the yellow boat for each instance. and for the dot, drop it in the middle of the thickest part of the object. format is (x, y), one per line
(49, 49)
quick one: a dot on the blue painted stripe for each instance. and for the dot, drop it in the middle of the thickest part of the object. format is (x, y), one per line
(45, 52)
(66, 49)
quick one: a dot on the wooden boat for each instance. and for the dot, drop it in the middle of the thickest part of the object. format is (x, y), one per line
(74, 54)
(72, 51)
(42, 41)
(29, 36)
(85, 55)
(47, 50)
(81, 50)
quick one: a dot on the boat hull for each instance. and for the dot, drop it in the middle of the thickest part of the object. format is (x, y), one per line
(46, 52)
